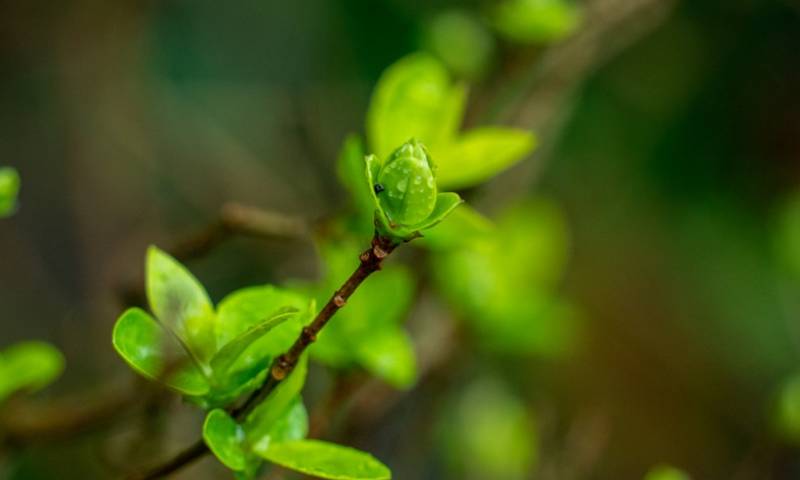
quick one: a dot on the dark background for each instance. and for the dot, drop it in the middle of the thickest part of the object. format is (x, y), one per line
(672, 142)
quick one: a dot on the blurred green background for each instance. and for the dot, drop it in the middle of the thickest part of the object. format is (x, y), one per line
(670, 140)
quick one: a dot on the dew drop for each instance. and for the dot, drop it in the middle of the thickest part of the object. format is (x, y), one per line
(402, 185)
(417, 180)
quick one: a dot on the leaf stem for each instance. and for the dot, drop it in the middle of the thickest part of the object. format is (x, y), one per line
(371, 261)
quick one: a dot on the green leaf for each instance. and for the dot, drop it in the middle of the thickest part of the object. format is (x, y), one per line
(480, 154)
(291, 425)
(461, 41)
(242, 365)
(488, 410)
(464, 227)
(226, 439)
(506, 286)
(242, 310)
(350, 169)
(327, 460)
(146, 346)
(666, 472)
(9, 187)
(445, 204)
(265, 416)
(230, 353)
(181, 303)
(414, 98)
(536, 21)
(29, 366)
(390, 356)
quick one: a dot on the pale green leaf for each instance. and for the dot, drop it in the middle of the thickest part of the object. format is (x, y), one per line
(9, 187)
(28, 366)
(225, 438)
(265, 416)
(181, 303)
(389, 355)
(536, 21)
(327, 460)
(291, 425)
(480, 154)
(464, 227)
(146, 346)
(414, 98)
(230, 352)
(242, 310)
(487, 432)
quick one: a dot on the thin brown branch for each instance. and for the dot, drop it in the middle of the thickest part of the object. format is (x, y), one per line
(371, 261)
(234, 219)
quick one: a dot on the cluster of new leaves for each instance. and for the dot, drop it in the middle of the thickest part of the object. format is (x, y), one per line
(414, 98)
(213, 356)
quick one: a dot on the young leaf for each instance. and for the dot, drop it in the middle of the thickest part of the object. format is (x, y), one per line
(291, 425)
(9, 186)
(243, 309)
(230, 353)
(414, 97)
(389, 355)
(225, 438)
(181, 303)
(327, 460)
(480, 154)
(464, 227)
(142, 342)
(264, 417)
(29, 366)
(536, 21)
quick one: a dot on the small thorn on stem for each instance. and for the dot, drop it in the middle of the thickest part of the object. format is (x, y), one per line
(339, 301)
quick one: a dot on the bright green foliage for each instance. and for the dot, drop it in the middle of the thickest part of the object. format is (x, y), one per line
(787, 237)
(259, 425)
(327, 460)
(404, 191)
(236, 447)
(415, 98)
(155, 353)
(368, 332)
(785, 412)
(226, 439)
(28, 366)
(275, 431)
(506, 285)
(481, 153)
(181, 303)
(9, 187)
(488, 433)
(464, 227)
(212, 357)
(536, 21)
(461, 42)
(666, 472)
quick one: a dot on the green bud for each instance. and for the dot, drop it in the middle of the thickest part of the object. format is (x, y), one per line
(406, 184)
(404, 190)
